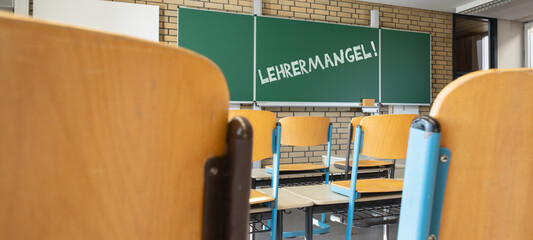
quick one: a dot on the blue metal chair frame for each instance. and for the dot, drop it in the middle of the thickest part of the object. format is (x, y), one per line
(352, 193)
(276, 135)
(276, 146)
(424, 183)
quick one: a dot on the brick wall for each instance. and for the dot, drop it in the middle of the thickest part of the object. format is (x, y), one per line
(439, 24)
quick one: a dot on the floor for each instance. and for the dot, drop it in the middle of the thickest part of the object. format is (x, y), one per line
(295, 221)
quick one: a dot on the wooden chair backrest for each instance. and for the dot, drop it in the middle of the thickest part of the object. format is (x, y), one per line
(104, 136)
(386, 136)
(263, 122)
(304, 131)
(487, 122)
(355, 121)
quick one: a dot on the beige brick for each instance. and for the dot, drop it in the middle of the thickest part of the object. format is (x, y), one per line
(270, 12)
(232, 8)
(333, 8)
(333, 19)
(318, 6)
(326, 2)
(301, 114)
(365, 7)
(385, 9)
(321, 12)
(272, 6)
(286, 2)
(302, 15)
(214, 5)
(298, 9)
(191, 3)
(302, 4)
(344, 15)
(296, 154)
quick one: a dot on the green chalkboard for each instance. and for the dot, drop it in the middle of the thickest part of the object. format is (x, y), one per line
(225, 38)
(302, 61)
(405, 67)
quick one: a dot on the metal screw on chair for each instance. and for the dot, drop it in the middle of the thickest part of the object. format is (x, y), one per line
(432, 236)
(444, 158)
(213, 171)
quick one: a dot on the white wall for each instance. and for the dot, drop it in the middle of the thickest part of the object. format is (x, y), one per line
(135, 20)
(510, 44)
(22, 7)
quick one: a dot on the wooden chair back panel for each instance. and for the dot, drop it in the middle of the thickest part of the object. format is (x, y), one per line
(304, 131)
(355, 121)
(386, 136)
(263, 122)
(487, 122)
(103, 136)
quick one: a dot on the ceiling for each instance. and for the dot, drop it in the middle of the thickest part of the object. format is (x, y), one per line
(516, 10)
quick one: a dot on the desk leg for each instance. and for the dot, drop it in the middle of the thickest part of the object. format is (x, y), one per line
(392, 169)
(309, 223)
(252, 235)
(279, 230)
(385, 232)
(254, 183)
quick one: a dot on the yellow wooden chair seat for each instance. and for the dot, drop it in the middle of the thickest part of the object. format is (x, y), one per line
(367, 163)
(377, 185)
(298, 167)
(257, 197)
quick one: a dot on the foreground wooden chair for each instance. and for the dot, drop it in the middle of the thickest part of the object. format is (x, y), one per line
(108, 137)
(385, 136)
(469, 166)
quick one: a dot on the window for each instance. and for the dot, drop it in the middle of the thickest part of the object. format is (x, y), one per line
(6, 5)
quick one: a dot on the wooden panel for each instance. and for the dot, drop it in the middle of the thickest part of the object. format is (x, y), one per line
(486, 122)
(103, 136)
(263, 122)
(355, 121)
(367, 163)
(298, 167)
(257, 197)
(376, 185)
(304, 131)
(386, 135)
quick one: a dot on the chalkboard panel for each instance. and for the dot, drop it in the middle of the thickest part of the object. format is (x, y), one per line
(301, 61)
(225, 38)
(405, 67)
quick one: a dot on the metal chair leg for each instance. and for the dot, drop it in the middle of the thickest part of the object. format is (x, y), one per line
(386, 232)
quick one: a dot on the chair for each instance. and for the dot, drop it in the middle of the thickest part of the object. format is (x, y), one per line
(363, 163)
(470, 164)
(264, 124)
(305, 132)
(107, 137)
(380, 136)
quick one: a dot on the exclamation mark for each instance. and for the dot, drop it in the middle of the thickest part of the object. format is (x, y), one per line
(374, 47)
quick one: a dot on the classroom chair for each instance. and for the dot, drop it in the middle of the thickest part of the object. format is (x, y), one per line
(470, 163)
(363, 163)
(305, 132)
(103, 136)
(380, 136)
(264, 125)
